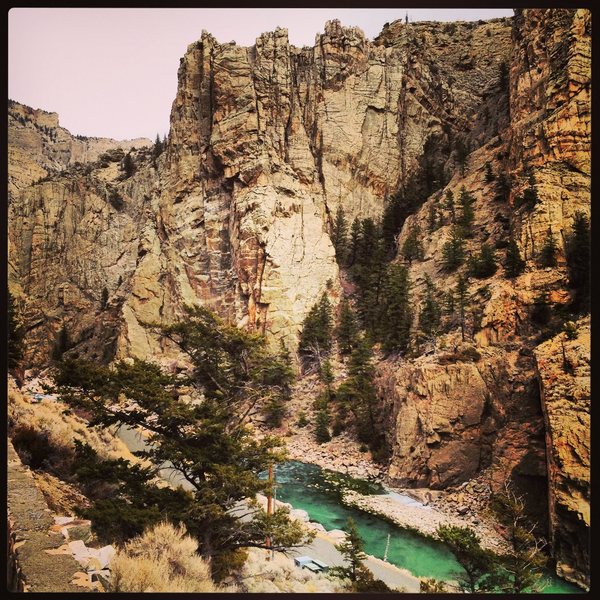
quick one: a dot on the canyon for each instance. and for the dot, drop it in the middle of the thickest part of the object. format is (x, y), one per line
(236, 214)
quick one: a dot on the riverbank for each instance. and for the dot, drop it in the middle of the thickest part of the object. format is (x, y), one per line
(463, 506)
(323, 548)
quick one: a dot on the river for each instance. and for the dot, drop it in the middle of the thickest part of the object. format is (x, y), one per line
(317, 491)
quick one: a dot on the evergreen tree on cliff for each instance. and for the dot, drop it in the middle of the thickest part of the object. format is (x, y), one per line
(412, 249)
(513, 265)
(453, 251)
(398, 310)
(467, 215)
(208, 443)
(430, 315)
(347, 329)
(578, 259)
(358, 394)
(369, 274)
(354, 242)
(315, 338)
(339, 235)
(549, 250)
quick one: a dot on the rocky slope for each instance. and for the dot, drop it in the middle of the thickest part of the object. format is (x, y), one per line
(483, 411)
(38, 145)
(563, 365)
(265, 143)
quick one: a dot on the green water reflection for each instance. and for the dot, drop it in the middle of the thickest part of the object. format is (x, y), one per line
(317, 490)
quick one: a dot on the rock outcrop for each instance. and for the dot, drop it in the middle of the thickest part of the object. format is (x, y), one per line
(448, 422)
(563, 365)
(38, 146)
(265, 144)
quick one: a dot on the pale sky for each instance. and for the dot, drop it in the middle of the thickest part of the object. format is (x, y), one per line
(112, 72)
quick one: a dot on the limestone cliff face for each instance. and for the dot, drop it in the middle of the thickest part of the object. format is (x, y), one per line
(265, 143)
(563, 365)
(485, 413)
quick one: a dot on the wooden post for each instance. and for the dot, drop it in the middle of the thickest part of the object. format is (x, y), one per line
(269, 502)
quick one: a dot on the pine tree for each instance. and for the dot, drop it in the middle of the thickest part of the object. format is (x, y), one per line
(489, 173)
(524, 562)
(355, 236)
(279, 373)
(453, 251)
(353, 551)
(315, 338)
(339, 235)
(322, 434)
(158, 148)
(467, 215)
(502, 188)
(430, 315)
(449, 205)
(578, 261)
(549, 251)
(433, 219)
(484, 265)
(391, 221)
(412, 248)
(477, 563)
(368, 274)
(347, 329)
(398, 310)
(128, 166)
(514, 264)
(358, 394)
(208, 443)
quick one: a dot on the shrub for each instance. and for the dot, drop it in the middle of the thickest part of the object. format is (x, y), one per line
(302, 420)
(163, 559)
(571, 330)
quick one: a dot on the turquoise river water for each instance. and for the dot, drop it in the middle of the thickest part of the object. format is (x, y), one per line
(317, 491)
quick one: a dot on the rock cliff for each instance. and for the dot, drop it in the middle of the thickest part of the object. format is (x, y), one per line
(483, 412)
(265, 143)
(563, 365)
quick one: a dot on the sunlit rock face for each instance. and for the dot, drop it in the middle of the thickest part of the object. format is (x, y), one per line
(265, 144)
(448, 422)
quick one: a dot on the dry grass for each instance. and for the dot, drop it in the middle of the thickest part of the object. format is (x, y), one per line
(163, 559)
(62, 498)
(56, 429)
